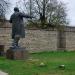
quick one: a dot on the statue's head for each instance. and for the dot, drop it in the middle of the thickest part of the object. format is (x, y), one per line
(16, 9)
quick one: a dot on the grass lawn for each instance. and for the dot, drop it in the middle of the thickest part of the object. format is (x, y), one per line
(31, 67)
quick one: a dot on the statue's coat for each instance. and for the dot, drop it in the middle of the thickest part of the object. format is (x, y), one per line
(17, 24)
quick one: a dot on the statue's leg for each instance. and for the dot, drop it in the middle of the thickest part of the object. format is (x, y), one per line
(16, 40)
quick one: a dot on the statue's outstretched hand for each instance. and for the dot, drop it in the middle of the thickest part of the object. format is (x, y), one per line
(32, 17)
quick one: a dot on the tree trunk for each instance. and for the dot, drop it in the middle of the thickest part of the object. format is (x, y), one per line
(30, 7)
(44, 9)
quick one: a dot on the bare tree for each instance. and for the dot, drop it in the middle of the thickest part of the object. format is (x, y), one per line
(4, 4)
(49, 12)
(3, 7)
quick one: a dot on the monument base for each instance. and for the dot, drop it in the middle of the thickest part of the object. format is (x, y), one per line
(17, 53)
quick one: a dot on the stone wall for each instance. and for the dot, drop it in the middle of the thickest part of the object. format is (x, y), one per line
(38, 40)
(70, 40)
(35, 40)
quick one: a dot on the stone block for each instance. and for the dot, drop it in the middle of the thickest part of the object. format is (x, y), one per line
(1, 50)
(17, 54)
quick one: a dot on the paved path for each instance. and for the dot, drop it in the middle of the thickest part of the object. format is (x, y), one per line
(3, 73)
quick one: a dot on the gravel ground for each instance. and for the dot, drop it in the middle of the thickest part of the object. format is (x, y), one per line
(3, 73)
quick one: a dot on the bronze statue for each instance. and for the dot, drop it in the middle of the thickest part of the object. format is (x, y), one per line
(18, 30)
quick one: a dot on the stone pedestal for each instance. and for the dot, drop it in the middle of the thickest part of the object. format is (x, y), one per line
(17, 53)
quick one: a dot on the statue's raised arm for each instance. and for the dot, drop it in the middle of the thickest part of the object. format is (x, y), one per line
(25, 15)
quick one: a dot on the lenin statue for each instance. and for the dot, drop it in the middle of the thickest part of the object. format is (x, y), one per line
(18, 30)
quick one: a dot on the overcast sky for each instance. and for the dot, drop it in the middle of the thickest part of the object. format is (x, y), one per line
(71, 11)
(70, 7)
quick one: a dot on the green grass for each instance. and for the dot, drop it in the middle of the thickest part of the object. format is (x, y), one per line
(31, 67)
